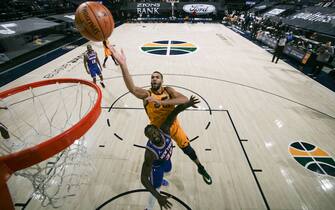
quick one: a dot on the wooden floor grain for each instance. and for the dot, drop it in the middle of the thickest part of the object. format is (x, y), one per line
(251, 110)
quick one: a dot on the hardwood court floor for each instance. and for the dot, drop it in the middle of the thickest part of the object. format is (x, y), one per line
(251, 110)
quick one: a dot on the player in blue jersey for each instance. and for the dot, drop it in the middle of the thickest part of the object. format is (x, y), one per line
(92, 65)
(157, 158)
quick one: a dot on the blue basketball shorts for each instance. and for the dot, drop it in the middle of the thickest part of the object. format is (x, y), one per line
(95, 71)
(157, 173)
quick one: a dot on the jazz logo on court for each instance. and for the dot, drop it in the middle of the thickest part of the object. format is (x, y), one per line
(168, 47)
(312, 158)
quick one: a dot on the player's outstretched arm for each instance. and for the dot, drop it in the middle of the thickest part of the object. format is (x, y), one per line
(165, 127)
(149, 157)
(121, 59)
(176, 98)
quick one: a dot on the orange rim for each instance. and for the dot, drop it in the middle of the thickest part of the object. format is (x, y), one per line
(38, 153)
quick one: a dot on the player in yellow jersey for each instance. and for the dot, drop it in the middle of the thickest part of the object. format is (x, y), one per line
(159, 101)
(107, 53)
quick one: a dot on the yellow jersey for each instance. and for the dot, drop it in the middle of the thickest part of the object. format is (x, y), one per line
(107, 51)
(157, 115)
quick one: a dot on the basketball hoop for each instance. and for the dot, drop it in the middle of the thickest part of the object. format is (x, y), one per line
(172, 1)
(172, 6)
(75, 127)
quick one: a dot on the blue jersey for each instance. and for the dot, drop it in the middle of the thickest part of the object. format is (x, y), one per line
(162, 153)
(92, 60)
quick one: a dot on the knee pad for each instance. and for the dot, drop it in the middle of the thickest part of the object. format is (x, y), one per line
(190, 152)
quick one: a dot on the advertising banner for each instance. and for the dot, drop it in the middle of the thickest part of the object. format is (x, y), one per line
(147, 8)
(319, 19)
(199, 8)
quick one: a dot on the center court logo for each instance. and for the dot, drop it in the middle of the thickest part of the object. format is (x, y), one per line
(312, 158)
(169, 47)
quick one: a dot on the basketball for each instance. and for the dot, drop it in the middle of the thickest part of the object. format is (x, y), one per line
(94, 21)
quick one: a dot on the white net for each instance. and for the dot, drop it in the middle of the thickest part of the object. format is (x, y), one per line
(36, 115)
(59, 177)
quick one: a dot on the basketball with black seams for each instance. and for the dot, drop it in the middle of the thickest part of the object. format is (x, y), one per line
(94, 21)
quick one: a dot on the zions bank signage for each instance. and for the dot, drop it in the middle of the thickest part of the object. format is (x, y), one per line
(148, 8)
(199, 8)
